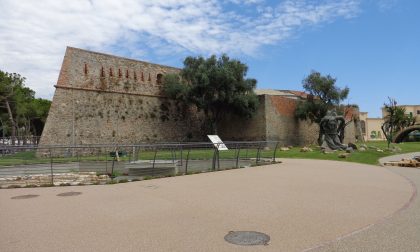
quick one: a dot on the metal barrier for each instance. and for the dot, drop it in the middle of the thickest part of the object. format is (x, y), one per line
(132, 161)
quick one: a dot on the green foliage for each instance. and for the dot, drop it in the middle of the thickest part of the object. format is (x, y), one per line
(174, 88)
(323, 96)
(214, 85)
(395, 120)
(20, 112)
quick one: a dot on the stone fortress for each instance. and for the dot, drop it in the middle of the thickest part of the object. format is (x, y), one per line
(105, 99)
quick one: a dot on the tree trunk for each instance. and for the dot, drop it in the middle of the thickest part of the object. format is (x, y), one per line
(215, 127)
(9, 111)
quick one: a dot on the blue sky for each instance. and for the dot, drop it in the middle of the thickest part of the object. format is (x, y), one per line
(371, 46)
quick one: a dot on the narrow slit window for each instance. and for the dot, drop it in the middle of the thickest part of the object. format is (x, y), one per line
(85, 69)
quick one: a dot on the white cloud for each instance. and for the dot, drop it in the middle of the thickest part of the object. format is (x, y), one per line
(34, 34)
(385, 5)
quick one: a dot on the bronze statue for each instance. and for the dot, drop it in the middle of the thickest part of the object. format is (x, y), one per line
(332, 131)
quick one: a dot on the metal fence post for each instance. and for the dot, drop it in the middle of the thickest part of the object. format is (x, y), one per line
(275, 150)
(112, 167)
(181, 156)
(213, 165)
(154, 160)
(258, 153)
(186, 161)
(237, 155)
(173, 155)
(106, 161)
(218, 160)
(51, 167)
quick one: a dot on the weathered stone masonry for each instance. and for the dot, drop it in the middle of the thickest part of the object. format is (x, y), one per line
(101, 98)
(275, 121)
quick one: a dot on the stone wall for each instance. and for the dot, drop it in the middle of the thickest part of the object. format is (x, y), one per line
(102, 99)
(107, 99)
(235, 128)
(275, 121)
(284, 127)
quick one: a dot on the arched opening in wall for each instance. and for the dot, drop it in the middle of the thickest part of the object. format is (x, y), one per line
(410, 134)
(159, 79)
(413, 136)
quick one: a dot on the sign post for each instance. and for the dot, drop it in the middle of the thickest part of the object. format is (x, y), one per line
(218, 146)
(217, 142)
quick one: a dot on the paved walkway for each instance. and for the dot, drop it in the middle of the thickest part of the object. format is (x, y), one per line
(299, 203)
(399, 233)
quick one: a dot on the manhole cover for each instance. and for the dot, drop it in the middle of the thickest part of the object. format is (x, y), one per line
(69, 194)
(247, 238)
(27, 196)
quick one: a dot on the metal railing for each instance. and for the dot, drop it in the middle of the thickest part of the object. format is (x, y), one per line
(132, 161)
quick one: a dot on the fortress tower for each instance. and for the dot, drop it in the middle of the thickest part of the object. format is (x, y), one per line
(101, 98)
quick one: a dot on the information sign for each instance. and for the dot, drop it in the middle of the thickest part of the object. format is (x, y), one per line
(218, 143)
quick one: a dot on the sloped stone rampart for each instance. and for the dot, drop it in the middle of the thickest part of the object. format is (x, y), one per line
(102, 99)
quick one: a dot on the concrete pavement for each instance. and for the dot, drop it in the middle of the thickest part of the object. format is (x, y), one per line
(300, 204)
(401, 232)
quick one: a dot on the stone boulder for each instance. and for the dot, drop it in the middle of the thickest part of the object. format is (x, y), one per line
(343, 155)
(306, 149)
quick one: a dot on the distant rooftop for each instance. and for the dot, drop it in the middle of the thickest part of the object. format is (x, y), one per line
(288, 93)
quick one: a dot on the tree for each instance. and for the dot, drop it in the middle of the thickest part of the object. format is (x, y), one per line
(395, 119)
(323, 95)
(20, 113)
(9, 83)
(215, 86)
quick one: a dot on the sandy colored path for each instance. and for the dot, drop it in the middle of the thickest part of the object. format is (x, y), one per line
(299, 203)
(400, 233)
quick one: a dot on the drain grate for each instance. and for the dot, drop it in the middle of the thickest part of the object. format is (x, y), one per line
(69, 194)
(27, 196)
(247, 238)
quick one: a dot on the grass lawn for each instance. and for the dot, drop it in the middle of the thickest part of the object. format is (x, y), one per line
(370, 156)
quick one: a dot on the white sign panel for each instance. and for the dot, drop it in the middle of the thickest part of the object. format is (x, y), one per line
(218, 143)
